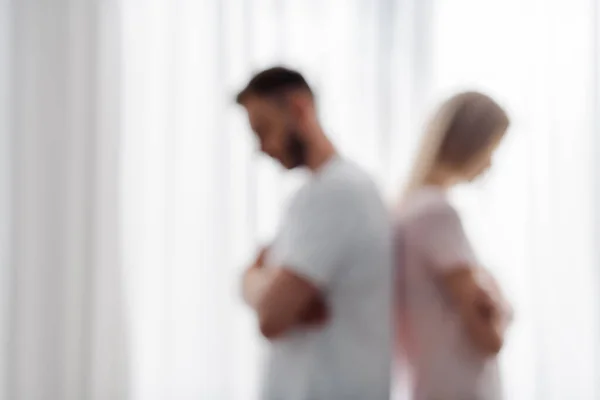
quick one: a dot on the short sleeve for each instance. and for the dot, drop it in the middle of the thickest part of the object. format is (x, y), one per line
(441, 239)
(318, 232)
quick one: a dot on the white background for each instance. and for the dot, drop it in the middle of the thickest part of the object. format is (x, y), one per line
(132, 194)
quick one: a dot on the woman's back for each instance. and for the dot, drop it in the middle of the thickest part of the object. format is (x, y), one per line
(431, 243)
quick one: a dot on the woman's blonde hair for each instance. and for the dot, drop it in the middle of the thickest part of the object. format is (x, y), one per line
(463, 126)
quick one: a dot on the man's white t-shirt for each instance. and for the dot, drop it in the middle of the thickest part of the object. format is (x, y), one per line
(336, 234)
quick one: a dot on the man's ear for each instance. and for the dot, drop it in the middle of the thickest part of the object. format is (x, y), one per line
(300, 103)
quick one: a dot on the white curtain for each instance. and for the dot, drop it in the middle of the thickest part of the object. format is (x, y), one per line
(62, 323)
(134, 196)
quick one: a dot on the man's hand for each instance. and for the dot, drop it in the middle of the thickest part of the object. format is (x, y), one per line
(260, 260)
(249, 293)
(316, 314)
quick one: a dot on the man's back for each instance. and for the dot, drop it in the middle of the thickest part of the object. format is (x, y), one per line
(337, 235)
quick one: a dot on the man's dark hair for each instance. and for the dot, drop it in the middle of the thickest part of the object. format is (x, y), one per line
(273, 82)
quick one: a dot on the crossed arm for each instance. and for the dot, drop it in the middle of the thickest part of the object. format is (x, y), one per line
(480, 308)
(311, 245)
(471, 291)
(281, 298)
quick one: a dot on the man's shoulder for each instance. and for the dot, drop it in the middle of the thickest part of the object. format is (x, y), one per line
(341, 189)
(347, 180)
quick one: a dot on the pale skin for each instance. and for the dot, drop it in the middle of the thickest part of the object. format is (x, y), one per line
(281, 299)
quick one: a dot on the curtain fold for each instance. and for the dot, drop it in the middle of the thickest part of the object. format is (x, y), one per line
(5, 206)
(62, 328)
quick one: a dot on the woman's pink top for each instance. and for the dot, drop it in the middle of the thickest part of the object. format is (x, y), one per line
(430, 242)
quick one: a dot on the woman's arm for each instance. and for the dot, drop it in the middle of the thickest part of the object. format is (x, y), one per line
(482, 315)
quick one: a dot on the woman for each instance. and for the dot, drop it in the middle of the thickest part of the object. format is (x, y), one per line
(452, 316)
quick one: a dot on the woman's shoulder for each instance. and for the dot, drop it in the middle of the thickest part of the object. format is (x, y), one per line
(425, 203)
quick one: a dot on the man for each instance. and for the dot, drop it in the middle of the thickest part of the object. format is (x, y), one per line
(322, 290)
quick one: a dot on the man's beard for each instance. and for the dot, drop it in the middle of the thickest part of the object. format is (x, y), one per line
(295, 151)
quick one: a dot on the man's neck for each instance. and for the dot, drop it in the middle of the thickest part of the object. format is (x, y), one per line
(319, 153)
